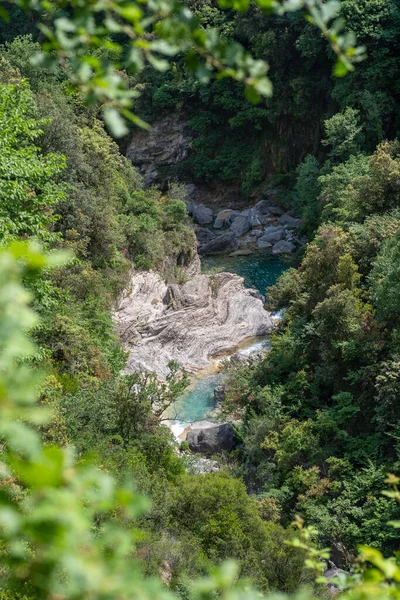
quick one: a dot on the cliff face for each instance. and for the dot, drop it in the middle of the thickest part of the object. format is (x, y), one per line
(192, 323)
(166, 143)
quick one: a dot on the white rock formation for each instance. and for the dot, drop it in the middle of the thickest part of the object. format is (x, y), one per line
(191, 323)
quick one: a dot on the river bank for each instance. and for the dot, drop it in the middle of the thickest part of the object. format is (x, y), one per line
(198, 403)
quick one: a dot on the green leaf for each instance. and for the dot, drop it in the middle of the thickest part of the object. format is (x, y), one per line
(252, 95)
(131, 13)
(135, 119)
(395, 524)
(45, 471)
(264, 87)
(115, 122)
(192, 60)
(160, 64)
(340, 69)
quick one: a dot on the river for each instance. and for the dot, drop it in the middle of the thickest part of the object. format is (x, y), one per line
(259, 271)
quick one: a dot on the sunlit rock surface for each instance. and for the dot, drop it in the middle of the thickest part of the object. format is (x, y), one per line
(192, 323)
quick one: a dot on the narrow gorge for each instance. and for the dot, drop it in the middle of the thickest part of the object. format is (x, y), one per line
(209, 316)
(199, 300)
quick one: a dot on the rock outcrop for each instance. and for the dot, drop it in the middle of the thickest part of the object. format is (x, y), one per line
(191, 323)
(283, 247)
(212, 438)
(223, 217)
(226, 242)
(204, 235)
(263, 227)
(333, 574)
(202, 214)
(166, 143)
(240, 225)
(202, 465)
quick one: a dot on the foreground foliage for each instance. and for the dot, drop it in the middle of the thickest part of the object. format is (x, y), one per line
(99, 40)
(68, 529)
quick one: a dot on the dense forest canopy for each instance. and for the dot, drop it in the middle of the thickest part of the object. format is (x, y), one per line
(96, 500)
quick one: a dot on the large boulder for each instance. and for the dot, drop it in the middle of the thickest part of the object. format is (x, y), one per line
(240, 226)
(276, 211)
(202, 214)
(283, 247)
(222, 218)
(219, 393)
(212, 439)
(333, 575)
(274, 228)
(234, 215)
(263, 206)
(263, 244)
(273, 234)
(227, 242)
(204, 235)
(255, 217)
(289, 221)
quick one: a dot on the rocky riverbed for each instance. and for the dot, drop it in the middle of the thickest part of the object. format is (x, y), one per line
(264, 227)
(193, 323)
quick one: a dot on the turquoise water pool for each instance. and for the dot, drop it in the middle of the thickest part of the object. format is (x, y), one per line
(258, 270)
(198, 400)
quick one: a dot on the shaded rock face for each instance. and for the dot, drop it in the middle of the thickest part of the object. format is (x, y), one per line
(275, 210)
(240, 226)
(190, 323)
(212, 439)
(219, 393)
(289, 221)
(227, 242)
(283, 247)
(204, 235)
(166, 143)
(202, 214)
(331, 574)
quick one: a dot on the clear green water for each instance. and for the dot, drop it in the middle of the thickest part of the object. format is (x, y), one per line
(198, 400)
(259, 271)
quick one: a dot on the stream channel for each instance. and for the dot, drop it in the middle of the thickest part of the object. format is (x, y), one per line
(259, 271)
